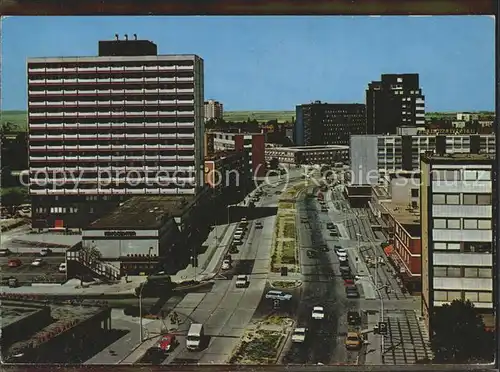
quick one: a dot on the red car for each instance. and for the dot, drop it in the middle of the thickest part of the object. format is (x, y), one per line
(167, 342)
(16, 262)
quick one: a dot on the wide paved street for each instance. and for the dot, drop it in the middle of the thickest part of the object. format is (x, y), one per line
(322, 286)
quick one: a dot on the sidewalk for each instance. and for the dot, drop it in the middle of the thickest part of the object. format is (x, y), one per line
(374, 346)
(211, 258)
(361, 270)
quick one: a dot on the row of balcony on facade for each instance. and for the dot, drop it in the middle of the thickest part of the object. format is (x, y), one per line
(105, 158)
(101, 125)
(122, 136)
(115, 180)
(92, 92)
(112, 103)
(42, 69)
(115, 191)
(113, 113)
(144, 147)
(114, 168)
(111, 80)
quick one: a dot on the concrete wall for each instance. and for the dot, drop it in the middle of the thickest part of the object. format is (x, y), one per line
(401, 191)
(364, 163)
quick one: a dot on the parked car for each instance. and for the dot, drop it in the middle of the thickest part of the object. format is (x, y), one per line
(353, 341)
(226, 265)
(342, 258)
(258, 225)
(278, 295)
(330, 225)
(37, 262)
(318, 313)
(311, 254)
(242, 281)
(4, 252)
(167, 342)
(299, 335)
(15, 262)
(353, 318)
(62, 267)
(323, 248)
(13, 282)
(339, 250)
(334, 233)
(45, 251)
(351, 291)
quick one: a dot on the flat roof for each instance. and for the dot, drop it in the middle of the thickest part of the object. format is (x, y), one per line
(76, 59)
(458, 157)
(144, 212)
(310, 148)
(401, 213)
(12, 313)
(223, 154)
(60, 314)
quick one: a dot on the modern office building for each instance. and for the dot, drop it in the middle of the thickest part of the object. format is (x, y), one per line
(320, 123)
(253, 144)
(213, 110)
(373, 156)
(290, 156)
(393, 101)
(102, 128)
(457, 242)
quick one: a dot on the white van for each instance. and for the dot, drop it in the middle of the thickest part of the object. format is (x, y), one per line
(194, 336)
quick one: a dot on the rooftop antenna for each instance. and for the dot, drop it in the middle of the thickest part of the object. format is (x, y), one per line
(116, 37)
(135, 36)
(126, 37)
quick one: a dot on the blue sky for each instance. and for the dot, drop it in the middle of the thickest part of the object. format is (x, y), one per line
(274, 63)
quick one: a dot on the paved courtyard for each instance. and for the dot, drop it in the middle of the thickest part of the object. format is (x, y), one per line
(405, 342)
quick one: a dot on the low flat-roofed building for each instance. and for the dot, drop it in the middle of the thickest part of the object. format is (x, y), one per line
(35, 331)
(302, 155)
(147, 234)
(403, 229)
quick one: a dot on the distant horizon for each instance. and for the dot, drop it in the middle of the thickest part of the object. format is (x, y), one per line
(275, 63)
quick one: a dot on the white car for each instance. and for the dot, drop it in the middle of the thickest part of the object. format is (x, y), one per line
(62, 267)
(299, 335)
(341, 253)
(342, 258)
(242, 281)
(318, 313)
(226, 265)
(37, 262)
(45, 251)
(278, 295)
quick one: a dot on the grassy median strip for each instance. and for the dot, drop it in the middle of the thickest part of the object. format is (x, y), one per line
(285, 232)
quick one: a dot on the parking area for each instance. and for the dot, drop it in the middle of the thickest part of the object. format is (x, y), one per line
(30, 268)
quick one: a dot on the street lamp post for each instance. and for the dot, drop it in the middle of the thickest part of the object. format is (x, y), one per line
(140, 297)
(358, 246)
(140, 313)
(194, 266)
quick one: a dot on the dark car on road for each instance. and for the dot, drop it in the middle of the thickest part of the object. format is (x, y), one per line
(353, 318)
(351, 291)
(322, 248)
(311, 254)
(334, 233)
(330, 226)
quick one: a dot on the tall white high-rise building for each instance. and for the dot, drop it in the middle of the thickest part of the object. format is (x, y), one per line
(102, 128)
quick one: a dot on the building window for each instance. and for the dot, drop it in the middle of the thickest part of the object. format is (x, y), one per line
(475, 224)
(483, 175)
(485, 297)
(471, 296)
(453, 199)
(414, 193)
(477, 247)
(443, 246)
(470, 175)
(447, 296)
(450, 223)
(477, 199)
(439, 199)
(477, 272)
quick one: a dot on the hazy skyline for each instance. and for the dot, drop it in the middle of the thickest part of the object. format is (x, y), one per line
(275, 63)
